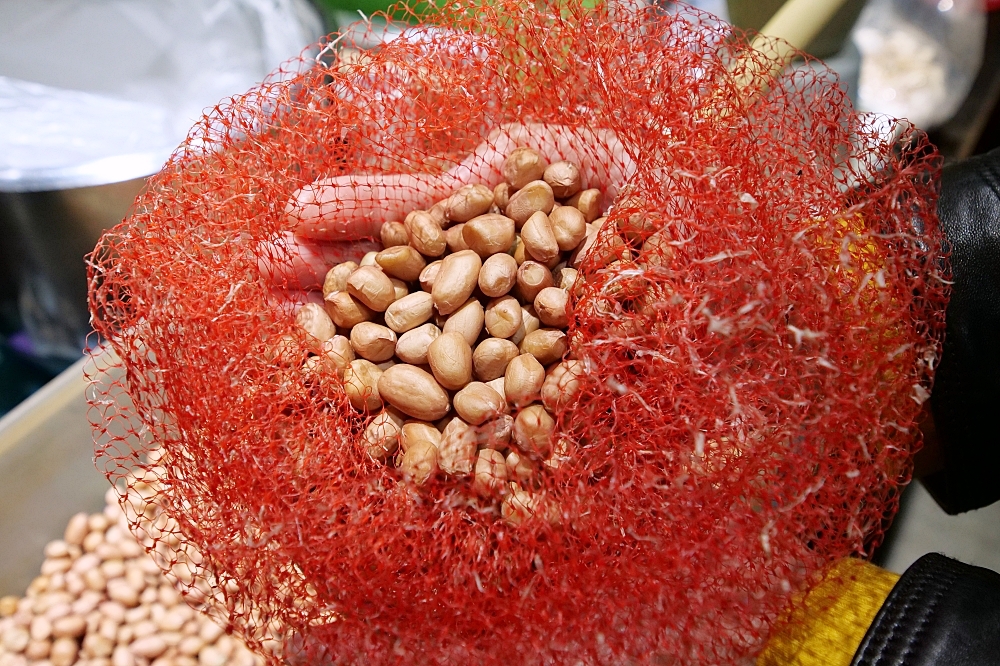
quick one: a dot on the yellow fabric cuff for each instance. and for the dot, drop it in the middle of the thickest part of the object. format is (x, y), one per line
(825, 627)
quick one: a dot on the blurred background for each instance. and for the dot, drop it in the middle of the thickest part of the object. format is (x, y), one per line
(96, 94)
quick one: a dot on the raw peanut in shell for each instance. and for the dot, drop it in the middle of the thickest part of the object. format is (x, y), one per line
(533, 197)
(519, 467)
(564, 179)
(373, 342)
(568, 226)
(381, 437)
(361, 381)
(401, 261)
(418, 431)
(587, 202)
(503, 317)
(491, 356)
(467, 321)
(338, 354)
(450, 358)
(498, 386)
(523, 166)
(368, 259)
(518, 505)
(347, 311)
(539, 239)
(456, 280)
(610, 248)
(546, 344)
(477, 403)
(314, 320)
(496, 434)
(529, 324)
(336, 277)
(532, 277)
(414, 392)
(657, 250)
(457, 451)
(409, 312)
(456, 239)
(518, 252)
(551, 305)
(501, 195)
(393, 234)
(419, 463)
(498, 275)
(426, 235)
(491, 473)
(533, 428)
(489, 234)
(412, 346)
(468, 202)
(561, 384)
(565, 278)
(399, 288)
(372, 287)
(428, 274)
(523, 380)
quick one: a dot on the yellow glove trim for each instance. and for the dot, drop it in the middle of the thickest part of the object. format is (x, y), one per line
(825, 627)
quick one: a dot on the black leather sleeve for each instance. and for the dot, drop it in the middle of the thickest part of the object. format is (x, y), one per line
(941, 612)
(965, 401)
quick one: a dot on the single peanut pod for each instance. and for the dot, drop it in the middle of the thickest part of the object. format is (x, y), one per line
(518, 252)
(468, 202)
(381, 437)
(565, 278)
(491, 473)
(610, 248)
(314, 320)
(496, 434)
(561, 384)
(498, 386)
(437, 213)
(533, 428)
(457, 451)
(399, 288)
(419, 463)
(501, 195)
(412, 346)
(564, 179)
(657, 250)
(414, 392)
(456, 239)
(503, 316)
(361, 381)
(529, 323)
(426, 234)
(336, 277)
(409, 311)
(538, 238)
(368, 259)
(418, 431)
(523, 380)
(552, 304)
(522, 166)
(532, 277)
(456, 280)
(338, 353)
(636, 227)
(518, 505)
(372, 287)
(401, 261)
(519, 466)
(393, 234)
(347, 311)
(546, 344)
(559, 455)
(587, 202)
(373, 342)
(477, 403)
(498, 275)
(428, 275)
(467, 321)
(568, 226)
(491, 356)
(450, 358)
(489, 234)
(533, 197)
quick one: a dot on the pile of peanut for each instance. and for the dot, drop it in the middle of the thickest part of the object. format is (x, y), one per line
(453, 336)
(101, 600)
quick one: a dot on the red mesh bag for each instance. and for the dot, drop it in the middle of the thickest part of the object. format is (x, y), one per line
(752, 385)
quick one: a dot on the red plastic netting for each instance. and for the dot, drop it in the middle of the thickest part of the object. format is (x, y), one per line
(748, 409)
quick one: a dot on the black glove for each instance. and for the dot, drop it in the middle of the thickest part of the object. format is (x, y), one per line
(967, 383)
(940, 613)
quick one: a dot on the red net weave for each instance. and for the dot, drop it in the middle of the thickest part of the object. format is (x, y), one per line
(749, 406)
